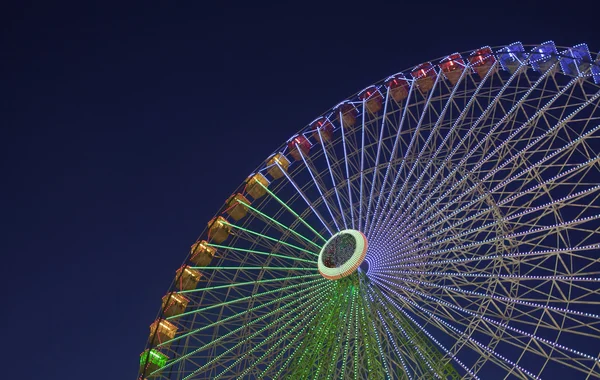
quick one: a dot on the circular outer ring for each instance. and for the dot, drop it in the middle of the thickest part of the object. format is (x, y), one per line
(353, 262)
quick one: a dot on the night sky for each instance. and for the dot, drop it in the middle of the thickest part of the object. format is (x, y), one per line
(125, 127)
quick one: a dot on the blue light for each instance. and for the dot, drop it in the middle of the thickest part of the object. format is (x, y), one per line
(596, 70)
(512, 57)
(576, 60)
(544, 56)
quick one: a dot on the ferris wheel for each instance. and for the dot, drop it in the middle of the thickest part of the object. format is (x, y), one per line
(442, 223)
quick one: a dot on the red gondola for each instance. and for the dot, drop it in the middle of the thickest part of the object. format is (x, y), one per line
(482, 61)
(372, 98)
(452, 66)
(299, 146)
(425, 76)
(322, 129)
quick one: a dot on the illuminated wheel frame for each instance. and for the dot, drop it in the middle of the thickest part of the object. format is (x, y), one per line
(475, 182)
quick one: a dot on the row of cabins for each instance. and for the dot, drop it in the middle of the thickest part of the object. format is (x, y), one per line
(175, 303)
(575, 61)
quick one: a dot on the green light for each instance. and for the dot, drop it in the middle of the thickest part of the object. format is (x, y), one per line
(282, 351)
(239, 299)
(292, 211)
(153, 357)
(274, 322)
(260, 253)
(300, 363)
(245, 283)
(294, 294)
(343, 303)
(347, 319)
(430, 359)
(276, 344)
(356, 344)
(281, 225)
(253, 268)
(316, 293)
(376, 335)
(272, 239)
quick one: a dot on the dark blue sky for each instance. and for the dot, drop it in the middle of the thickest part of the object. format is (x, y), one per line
(124, 128)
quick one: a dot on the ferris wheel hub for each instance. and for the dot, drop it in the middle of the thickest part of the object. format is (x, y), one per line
(342, 254)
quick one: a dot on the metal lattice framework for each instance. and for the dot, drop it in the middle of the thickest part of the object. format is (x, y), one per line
(476, 183)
